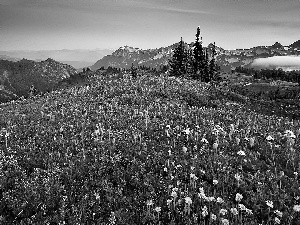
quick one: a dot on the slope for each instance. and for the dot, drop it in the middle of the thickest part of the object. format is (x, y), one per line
(139, 152)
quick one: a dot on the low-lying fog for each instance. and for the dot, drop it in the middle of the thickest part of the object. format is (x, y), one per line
(287, 63)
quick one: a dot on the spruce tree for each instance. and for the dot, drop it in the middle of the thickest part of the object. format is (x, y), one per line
(198, 57)
(212, 63)
(189, 65)
(178, 63)
(206, 71)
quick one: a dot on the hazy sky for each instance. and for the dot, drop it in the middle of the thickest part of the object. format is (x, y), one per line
(90, 24)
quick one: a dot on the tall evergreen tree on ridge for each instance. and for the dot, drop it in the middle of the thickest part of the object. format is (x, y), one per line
(194, 61)
(212, 63)
(178, 64)
(198, 57)
(206, 71)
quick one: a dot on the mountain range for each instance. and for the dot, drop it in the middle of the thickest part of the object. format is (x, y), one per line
(77, 58)
(125, 56)
(17, 75)
(16, 78)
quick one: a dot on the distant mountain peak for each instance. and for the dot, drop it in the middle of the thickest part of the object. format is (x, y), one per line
(296, 44)
(125, 56)
(277, 45)
(50, 60)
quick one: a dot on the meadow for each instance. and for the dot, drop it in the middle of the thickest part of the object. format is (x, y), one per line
(150, 150)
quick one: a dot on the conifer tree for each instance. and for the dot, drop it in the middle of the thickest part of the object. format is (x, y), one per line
(206, 71)
(198, 57)
(189, 65)
(212, 63)
(178, 63)
(133, 71)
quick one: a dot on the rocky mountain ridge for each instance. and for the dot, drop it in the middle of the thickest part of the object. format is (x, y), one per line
(125, 56)
(16, 78)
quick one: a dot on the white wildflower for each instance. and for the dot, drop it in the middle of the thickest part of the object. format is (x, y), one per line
(220, 200)
(242, 153)
(242, 207)
(188, 200)
(149, 202)
(238, 197)
(223, 212)
(277, 220)
(213, 217)
(270, 138)
(296, 208)
(278, 213)
(289, 134)
(234, 211)
(157, 209)
(269, 203)
(224, 221)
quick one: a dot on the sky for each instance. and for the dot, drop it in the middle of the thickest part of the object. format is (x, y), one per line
(109, 24)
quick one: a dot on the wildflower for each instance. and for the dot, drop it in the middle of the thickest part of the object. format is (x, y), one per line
(204, 140)
(204, 211)
(97, 196)
(238, 140)
(238, 197)
(169, 201)
(242, 153)
(157, 209)
(242, 207)
(277, 220)
(238, 177)
(224, 221)
(296, 208)
(202, 171)
(249, 212)
(251, 141)
(289, 134)
(223, 212)
(174, 194)
(220, 200)
(165, 169)
(202, 195)
(281, 174)
(201, 189)
(184, 149)
(210, 199)
(149, 202)
(187, 131)
(232, 127)
(215, 182)
(278, 213)
(269, 203)
(193, 176)
(234, 211)
(270, 138)
(215, 146)
(188, 200)
(213, 217)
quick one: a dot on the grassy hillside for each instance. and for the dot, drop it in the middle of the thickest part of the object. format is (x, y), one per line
(154, 150)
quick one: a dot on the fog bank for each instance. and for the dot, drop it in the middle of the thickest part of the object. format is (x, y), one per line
(287, 63)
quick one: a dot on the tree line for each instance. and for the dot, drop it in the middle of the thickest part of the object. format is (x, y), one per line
(194, 62)
(271, 74)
